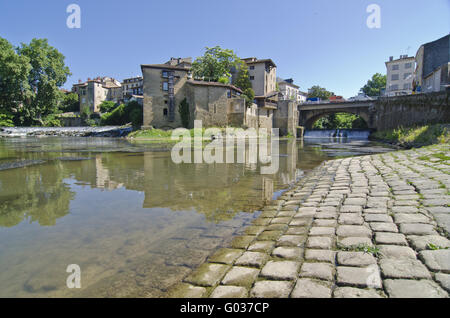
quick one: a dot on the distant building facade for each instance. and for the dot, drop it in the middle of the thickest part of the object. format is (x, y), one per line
(400, 75)
(289, 91)
(132, 87)
(432, 73)
(94, 91)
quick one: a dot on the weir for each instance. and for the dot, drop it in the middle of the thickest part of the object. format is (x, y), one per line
(338, 133)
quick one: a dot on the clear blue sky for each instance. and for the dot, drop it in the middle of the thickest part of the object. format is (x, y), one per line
(324, 42)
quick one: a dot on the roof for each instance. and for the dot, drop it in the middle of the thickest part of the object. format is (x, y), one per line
(289, 84)
(402, 58)
(217, 84)
(267, 95)
(165, 67)
(256, 61)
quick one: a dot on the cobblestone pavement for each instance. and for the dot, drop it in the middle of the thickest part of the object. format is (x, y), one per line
(372, 226)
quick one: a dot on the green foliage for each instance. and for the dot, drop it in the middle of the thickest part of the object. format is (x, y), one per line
(183, 109)
(215, 64)
(70, 103)
(85, 113)
(107, 106)
(374, 85)
(340, 121)
(151, 133)
(317, 91)
(360, 248)
(124, 114)
(416, 136)
(6, 119)
(224, 80)
(243, 82)
(14, 70)
(51, 121)
(48, 72)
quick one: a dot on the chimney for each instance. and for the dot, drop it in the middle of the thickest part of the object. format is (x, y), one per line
(391, 58)
(89, 78)
(79, 81)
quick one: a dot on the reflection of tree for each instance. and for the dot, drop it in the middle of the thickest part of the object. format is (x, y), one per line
(36, 193)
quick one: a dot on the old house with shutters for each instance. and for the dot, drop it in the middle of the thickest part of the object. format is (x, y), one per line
(166, 85)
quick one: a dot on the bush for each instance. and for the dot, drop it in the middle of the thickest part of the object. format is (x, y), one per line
(51, 121)
(6, 119)
(124, 114)
(416, 136)
(107, 106)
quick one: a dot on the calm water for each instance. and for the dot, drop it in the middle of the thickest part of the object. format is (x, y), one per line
(135, 222)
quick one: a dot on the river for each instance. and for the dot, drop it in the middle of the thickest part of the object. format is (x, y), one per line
(135, 222)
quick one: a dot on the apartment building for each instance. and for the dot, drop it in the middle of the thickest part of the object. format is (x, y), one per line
(400, 75)
(289, 91)
(432, 73)
(132, 86)
(94, 91)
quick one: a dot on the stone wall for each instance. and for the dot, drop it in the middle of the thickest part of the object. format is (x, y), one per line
(391, 113)
(286, 118)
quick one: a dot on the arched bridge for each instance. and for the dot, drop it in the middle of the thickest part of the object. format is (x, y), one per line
(310, 113)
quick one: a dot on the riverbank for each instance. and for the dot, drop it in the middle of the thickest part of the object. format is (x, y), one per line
(414, 137)
(370, 226)
(103, 131)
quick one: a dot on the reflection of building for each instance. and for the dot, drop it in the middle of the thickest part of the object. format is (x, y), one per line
(432, 72)
(399, 76)
(103, 179)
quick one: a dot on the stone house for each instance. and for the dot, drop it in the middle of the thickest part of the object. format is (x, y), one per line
(432, 72)
(94, 91)
(165, 86)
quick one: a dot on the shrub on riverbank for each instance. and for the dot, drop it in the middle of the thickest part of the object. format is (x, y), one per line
(124, 114)
(415, 136)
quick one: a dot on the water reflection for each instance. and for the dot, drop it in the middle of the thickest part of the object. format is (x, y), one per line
(133, 220)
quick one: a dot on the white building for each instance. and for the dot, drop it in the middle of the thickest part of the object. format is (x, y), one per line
(290, 91)
(400, 75)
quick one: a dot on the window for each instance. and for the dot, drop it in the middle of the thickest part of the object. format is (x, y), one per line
(165, 86)
(229, 93)
(408, 65)
(252, 78)
(165, 74)
(395, 67)
(252, 67)
(394, 87)
(406, 75)
(165, 112)
(394, 77)
(407, 86)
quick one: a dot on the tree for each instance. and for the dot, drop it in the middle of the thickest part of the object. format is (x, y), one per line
(374, 85)
(183, 109)
(47, 74)
(14, 71)
(70, 103)
(107, 106)
(243, 82)
(215, 64)
(320, 92)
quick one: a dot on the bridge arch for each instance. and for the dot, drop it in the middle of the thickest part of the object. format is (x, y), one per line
(310, 113)
(309, 123)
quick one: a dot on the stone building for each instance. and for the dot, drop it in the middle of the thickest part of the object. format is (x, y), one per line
(94, 91)
(400, 75)
(165, 86)
(432, 72)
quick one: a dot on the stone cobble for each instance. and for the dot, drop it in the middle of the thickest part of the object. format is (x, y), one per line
(362, 227)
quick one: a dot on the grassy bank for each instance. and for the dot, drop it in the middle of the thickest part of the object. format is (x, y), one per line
(165, 135)
(415, 136)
